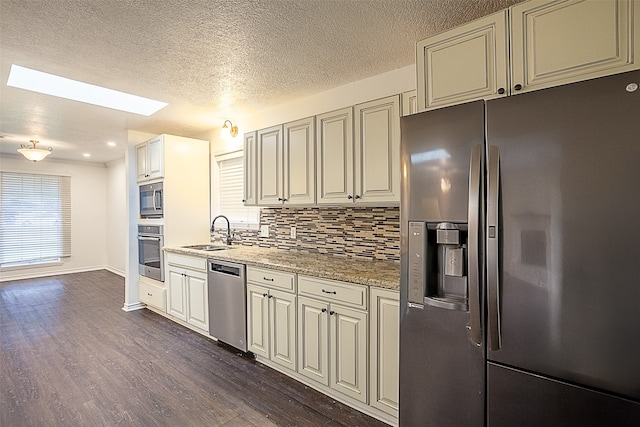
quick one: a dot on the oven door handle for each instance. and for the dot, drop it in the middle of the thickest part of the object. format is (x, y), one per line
(157, 239)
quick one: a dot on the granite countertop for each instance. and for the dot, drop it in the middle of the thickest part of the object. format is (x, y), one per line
(381, 274)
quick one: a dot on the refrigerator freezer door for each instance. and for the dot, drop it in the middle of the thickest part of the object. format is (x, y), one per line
(442, 369)
(569, 232)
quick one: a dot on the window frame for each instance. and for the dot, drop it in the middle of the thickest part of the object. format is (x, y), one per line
(215, 205)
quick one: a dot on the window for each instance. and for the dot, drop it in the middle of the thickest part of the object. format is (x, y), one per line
(231, 192)
(35, 218)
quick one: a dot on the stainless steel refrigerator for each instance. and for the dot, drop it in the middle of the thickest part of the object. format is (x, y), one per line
(520, 259)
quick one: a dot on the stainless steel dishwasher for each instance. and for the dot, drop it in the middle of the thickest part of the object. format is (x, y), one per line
(227, 302)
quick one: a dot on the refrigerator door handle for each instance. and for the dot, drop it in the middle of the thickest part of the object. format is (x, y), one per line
(475, 170)
(493, 240)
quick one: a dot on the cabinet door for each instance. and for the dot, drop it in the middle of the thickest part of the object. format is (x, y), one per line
(269, 150)
(313, 340)
(177, 298)
(282, 312)
(197, 302)
(250, 156)
(409, 102)
(561, 42)
(155, 165)
(377, 151)
(300, 162)
(385, 345)
(141, 161)
(335, 156)
(258, 320)
(464, 64)
(348, 346)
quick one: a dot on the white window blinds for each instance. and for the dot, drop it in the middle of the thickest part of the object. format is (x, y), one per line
(231, 193)
(35, 218)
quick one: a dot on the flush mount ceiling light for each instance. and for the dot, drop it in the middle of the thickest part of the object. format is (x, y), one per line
(32, 153)
(229, 130)
(49, 84)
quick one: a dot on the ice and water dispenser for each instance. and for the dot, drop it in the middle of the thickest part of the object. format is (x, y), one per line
(438, 264)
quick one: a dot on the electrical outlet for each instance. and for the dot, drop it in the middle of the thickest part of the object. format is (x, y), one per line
(264, 230)
(293, 232)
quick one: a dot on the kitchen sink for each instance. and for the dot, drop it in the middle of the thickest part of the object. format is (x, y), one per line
(208, 247)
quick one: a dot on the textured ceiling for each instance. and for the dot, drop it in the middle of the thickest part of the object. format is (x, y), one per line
(208, 59)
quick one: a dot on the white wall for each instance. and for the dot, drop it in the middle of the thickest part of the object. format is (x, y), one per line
(117, 216)
(88, 215)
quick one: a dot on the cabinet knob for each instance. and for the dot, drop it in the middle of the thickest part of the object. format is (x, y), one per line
(324, 310)
(501, 91)
(270, 296)
(280, 199)
(356, 197)
(331, 313)
(518, 86)
(285, 200)
(349, 197)
(244, 201)
(264, 295)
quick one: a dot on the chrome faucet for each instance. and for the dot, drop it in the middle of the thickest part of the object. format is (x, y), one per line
(228, 227)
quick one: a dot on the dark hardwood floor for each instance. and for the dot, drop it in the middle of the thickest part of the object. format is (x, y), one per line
(70, 356)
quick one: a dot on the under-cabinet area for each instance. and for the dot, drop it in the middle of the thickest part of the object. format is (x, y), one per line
(337, 334)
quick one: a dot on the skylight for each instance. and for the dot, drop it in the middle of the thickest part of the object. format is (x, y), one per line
(49, 84)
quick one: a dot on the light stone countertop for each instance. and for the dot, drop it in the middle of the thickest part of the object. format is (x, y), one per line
(381, 274)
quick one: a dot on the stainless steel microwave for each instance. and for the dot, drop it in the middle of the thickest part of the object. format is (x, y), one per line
(151, 200)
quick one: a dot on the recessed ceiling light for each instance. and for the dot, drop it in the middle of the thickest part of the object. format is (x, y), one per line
(111, 144)
(49, 84)
(87, 155)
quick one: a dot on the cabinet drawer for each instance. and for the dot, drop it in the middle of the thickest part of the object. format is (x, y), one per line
(271, 278)
(333, 291)
(193, 262)
(152, 295)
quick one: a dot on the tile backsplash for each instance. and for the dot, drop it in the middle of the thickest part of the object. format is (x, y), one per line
(358, 232)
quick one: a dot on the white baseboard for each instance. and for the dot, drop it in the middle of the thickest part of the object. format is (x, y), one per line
(133, 307)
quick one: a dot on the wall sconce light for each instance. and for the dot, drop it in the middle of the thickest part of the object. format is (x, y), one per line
(32, 153)
(229, 131)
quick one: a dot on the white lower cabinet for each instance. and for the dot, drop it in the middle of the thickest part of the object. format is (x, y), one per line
(385, 350)
(333, 337)
(152, 295)
(339, 338)
(271, 323)
(187, 297)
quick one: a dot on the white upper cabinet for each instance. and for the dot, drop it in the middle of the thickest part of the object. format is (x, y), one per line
(409, 102)
(468, 62)
(335, 156)
(150, 159)
(377, 151)
(250, 157)
(269, 149)
(555, 42)
(286, 164)
(299, 162)
(552, 42)
(361, 167)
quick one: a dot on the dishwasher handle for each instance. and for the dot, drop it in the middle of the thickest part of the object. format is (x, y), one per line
(229, 270)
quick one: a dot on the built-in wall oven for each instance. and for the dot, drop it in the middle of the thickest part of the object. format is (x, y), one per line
(150, 257)
(151, 200)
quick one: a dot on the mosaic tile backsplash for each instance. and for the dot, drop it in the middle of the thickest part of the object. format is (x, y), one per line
(360, 233)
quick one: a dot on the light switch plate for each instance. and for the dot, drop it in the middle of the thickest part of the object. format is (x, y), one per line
(264, 230)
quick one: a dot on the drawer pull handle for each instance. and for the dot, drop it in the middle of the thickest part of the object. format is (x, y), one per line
(329, 292)
(268, 280)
